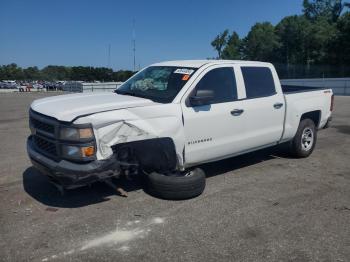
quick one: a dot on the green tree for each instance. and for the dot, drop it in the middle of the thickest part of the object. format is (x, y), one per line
(11, 72)
(313, 44)
(52, 73)
(339, 49)
(261, 42)
(32, 73)
(291, 34)
(232, 49)
(319, 36)
(303, 41)
(122, 75)
(219, 42)
(329, 9)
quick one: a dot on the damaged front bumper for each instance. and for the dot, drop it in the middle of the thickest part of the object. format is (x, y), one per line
(70, 174)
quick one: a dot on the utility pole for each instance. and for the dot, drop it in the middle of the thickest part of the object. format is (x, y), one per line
(134, 42)
(109, 56)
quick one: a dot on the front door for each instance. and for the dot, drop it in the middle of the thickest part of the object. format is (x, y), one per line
(213, 131)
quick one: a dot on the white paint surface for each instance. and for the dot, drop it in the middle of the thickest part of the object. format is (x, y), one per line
(115, 237)
(119, 238)
(68, 107)
(158, 220)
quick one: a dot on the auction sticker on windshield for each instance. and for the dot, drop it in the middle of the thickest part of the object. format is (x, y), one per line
(184, 71)
(185, 77)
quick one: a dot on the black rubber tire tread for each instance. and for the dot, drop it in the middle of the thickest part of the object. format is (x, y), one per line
(327, 125)
(177, 187)
(295, 145)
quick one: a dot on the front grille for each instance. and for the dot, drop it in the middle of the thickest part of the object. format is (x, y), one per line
(45, 136)
(46, 146)
(41, 126)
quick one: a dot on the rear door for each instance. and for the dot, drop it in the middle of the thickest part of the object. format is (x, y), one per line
(264, 109)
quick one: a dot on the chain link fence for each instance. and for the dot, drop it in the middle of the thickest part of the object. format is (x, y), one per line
(340, 86)
(286, 71)
(76, 86)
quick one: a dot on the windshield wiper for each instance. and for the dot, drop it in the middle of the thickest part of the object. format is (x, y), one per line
(129, 93)
(125, 93)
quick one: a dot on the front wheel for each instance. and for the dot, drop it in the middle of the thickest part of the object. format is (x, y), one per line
(304, 140)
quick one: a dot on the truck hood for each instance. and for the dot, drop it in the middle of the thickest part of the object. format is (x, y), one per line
(69, 107)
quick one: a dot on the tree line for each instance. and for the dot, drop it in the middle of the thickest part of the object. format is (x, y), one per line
(55, 73)
(314, 44)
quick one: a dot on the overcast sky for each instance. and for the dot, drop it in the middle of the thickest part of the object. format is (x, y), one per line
(43, 32)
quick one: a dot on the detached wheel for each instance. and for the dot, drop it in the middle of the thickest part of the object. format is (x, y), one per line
(304, 140)
(177, 186)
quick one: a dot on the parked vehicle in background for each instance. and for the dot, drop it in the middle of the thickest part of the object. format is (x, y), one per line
(38, 86)
(9, 84)
(3, 85)
(169, 118)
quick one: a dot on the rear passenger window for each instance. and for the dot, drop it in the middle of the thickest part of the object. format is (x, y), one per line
(223, 82)
(258, 81)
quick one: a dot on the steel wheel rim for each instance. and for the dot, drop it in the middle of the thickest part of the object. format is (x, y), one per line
(307, 139)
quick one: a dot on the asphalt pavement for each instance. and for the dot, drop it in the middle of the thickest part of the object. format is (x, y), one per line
(263, 206)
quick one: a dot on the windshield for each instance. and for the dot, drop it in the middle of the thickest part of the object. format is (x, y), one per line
(158, 83)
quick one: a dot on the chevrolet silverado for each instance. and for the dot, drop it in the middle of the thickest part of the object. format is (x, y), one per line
(169, 118)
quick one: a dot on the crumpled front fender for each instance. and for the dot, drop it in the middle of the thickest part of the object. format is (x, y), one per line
(135, 124)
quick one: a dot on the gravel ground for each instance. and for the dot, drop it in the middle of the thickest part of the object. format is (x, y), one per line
(261, 206)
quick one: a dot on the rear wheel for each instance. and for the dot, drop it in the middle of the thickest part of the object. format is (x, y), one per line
(328, 124)
(177, 186)
(304, 140)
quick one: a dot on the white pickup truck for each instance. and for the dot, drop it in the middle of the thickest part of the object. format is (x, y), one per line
(169, 118)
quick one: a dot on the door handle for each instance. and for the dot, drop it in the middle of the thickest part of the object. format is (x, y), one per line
(278, 105)
(237, 112)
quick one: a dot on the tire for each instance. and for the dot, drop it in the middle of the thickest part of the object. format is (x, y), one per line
(177, 186)
(328, 124)
(304, 140)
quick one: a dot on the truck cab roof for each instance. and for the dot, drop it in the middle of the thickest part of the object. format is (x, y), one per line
(200, 63)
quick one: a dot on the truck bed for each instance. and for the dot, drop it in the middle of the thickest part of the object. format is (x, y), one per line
(288, 89)
(299, 100)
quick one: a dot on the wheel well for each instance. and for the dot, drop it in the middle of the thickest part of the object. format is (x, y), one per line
(156, 154)
(313, 115)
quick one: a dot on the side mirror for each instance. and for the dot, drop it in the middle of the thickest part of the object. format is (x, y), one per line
(202, 97)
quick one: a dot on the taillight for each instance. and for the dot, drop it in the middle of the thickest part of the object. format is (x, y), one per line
(332, 103)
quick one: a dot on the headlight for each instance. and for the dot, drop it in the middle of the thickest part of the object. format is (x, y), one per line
(76, 134)
(77, 152)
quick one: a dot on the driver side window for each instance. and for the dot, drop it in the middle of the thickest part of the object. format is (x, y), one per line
(222, 82)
